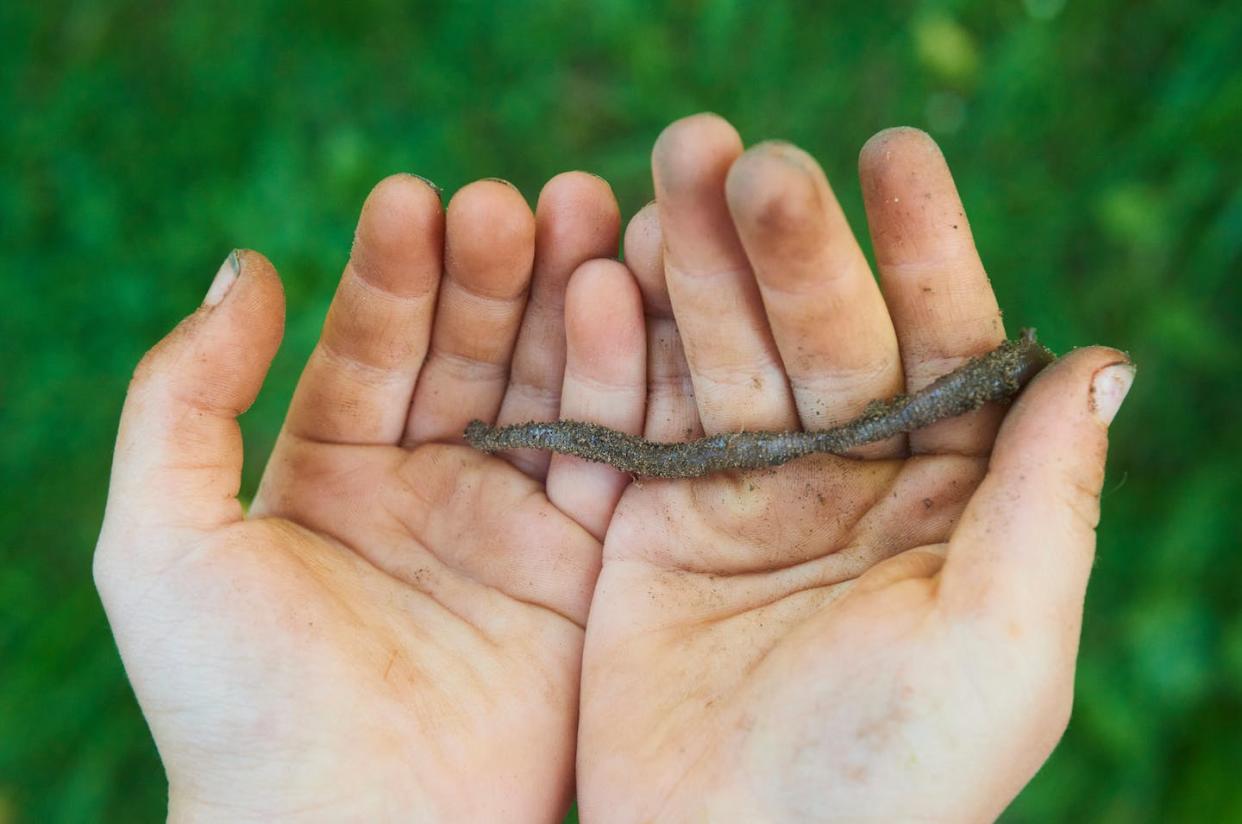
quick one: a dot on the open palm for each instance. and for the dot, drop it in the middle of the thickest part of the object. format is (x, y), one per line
(890, 639)
(395, 631)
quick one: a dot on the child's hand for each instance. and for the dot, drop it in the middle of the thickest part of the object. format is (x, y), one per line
(396, 630)
(888, 640)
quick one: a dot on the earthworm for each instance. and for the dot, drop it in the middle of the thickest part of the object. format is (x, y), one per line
(998, 375)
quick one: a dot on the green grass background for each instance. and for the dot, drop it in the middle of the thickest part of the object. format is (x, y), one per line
(1095, 144)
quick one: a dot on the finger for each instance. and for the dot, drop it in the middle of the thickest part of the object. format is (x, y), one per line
(938, 294)
(671, 411)
(489, 243)
(824, 308)
(179, 450)
(738, 379)
(1026, 540)
(605, 383)
(576, 220)
(358, 381)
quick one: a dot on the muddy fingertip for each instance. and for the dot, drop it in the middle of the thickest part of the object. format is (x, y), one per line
(906, 141)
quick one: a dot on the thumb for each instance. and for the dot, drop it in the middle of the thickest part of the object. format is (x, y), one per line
(1026, 541)
(179, 450)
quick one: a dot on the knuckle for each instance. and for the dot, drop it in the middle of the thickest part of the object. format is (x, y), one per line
(103, 569)
(147, 367)
(1081, 495)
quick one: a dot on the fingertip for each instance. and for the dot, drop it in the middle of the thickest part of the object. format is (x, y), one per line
(644, 254)
(258, 281)
(694, 148)
(401, 189)
(907, 187)
(604, 321)
(395, 204)
(595, 281)
(776, 192)
(1053, 441)
(496, 204)
(575, 185)
(249, 308)
(1070, 382)
(1060, 410)
(490, 239)
(1109, 388)
(239, 338)
(774, 152)
(399, 235)
(642, 234)
(575, 208)
(901, 143)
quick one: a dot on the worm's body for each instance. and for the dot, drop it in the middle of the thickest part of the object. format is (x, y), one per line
(998, 375)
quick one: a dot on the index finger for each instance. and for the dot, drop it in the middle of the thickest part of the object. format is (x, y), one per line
(938, 294)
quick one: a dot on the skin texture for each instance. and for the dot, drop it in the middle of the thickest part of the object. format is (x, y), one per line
(996, 376)
(833, 639)
(395, 630)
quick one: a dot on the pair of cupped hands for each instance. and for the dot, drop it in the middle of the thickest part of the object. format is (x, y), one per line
(404, 628)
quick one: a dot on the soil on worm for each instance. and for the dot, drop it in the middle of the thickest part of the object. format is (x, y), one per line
(998, 375)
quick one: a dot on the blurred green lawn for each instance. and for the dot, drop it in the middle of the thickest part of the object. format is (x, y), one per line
(1096, 148)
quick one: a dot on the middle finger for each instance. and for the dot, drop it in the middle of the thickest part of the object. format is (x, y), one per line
(825, 309)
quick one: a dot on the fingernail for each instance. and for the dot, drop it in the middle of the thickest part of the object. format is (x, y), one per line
(224, 279)
(776, 144)
(1109, 388)
(433, 186)
(502, 180)
(786, 151)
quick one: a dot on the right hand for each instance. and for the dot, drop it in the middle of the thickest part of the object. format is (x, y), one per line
(834, 640)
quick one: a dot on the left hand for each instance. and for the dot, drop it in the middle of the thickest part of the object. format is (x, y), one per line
(395, 630)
